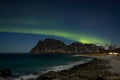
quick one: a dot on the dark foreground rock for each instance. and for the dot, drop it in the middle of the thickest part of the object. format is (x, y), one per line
(5, 72)
(50, 74)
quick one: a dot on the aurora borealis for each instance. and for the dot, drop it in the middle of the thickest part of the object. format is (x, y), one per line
(86, 21)
(69, 35)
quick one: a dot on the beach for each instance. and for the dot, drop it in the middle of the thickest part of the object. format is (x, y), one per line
(57, 70)
(114, 63)
(34, 65)
(114, 66)
(102, 67)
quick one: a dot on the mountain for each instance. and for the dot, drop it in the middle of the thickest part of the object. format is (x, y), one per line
(117, 50)
(48, 46)
(57, 46)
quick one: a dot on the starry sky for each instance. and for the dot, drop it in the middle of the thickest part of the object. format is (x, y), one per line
(24, 22)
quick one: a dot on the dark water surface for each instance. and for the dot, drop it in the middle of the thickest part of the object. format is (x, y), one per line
(28, 63)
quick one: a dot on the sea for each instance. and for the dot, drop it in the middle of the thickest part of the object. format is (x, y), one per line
(26, 63)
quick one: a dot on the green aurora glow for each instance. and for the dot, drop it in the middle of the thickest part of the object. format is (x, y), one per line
(65, 34)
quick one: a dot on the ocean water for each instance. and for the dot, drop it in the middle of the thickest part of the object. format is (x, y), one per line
(29, 63)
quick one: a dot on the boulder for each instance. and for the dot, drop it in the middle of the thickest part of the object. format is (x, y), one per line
(5, 72)
(100, 78)
(50, 75)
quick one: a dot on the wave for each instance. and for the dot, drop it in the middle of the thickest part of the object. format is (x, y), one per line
(70, 65)
(56, 68)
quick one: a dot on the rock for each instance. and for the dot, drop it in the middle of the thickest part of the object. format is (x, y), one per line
(100, 78)
(1, 78)
(5, 72)
(50, 75)
(64, 78)
(40, 78)
(30, 79)
(0, 73)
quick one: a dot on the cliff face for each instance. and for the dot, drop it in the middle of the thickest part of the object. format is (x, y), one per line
(48, 46)
(57, 46)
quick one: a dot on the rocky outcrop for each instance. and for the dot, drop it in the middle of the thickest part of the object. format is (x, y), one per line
(84, 48)
(50, 75)
(5, 72)
(48, 46)
(57, 46)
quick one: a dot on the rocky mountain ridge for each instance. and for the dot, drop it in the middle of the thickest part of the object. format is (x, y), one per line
(57, 46)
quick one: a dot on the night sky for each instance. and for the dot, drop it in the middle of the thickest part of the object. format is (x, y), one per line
(24, 22)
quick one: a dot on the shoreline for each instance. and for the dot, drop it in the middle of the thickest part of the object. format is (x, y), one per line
(100, 68)
(103, 66)
(88, 71)
(55, 69)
